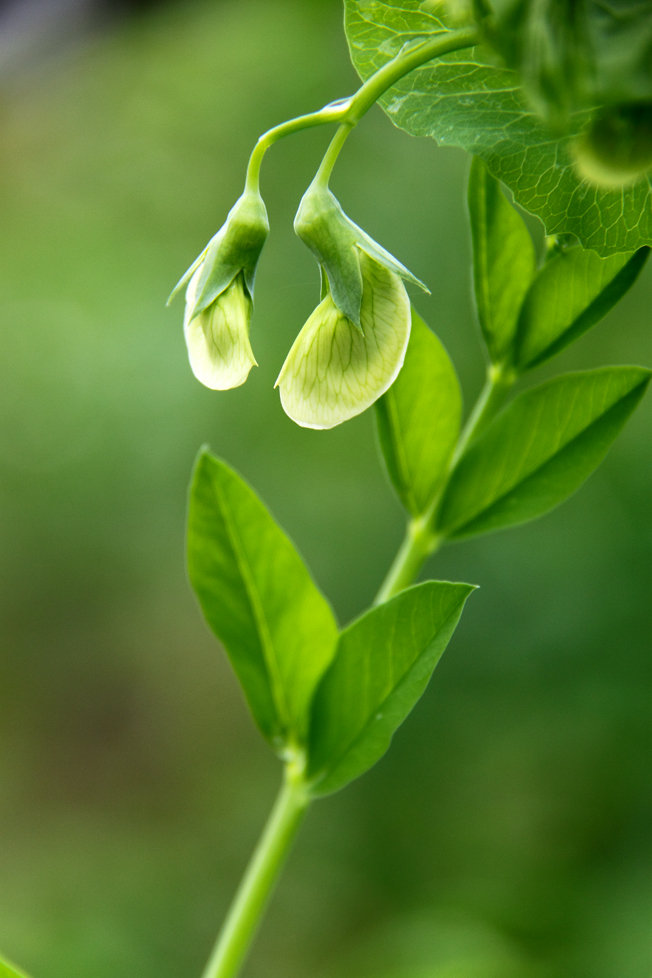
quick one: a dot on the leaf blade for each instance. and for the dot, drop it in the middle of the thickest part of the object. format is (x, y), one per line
(539, 450)
(503, 261)
(381, 668)
(571, 293)
(418, 419)
(464, 100)
(258, 598)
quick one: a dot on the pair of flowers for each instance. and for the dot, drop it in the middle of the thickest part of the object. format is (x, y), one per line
(353, 345)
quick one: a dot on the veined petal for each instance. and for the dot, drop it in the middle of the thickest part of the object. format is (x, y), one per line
(218, 338)
(333, 370)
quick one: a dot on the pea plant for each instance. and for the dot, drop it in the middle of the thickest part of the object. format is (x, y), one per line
(554, 102)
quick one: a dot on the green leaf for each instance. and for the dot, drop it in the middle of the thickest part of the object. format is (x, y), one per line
(539, 450)
(259, 598)
(503, 260)
(419, 419)
(464, 100)
(382, 666)
(9, 971)
(572, 292)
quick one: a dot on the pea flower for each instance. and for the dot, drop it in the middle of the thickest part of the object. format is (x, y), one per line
(353, 345)
(219, 296)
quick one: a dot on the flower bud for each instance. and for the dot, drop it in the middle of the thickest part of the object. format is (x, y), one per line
(336, 370)
(339, 246)
(217, 338)
(219, 296)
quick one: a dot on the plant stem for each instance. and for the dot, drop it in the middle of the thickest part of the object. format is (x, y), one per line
(260, 876)
(421, 539)
(348, 112)
(419, 542)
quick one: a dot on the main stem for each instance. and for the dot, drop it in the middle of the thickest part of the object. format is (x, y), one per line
(258, 881)
(421, 539)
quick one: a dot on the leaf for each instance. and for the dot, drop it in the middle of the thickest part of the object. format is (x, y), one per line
(259, 599)
(463, 100)
(382, 666)
(539, 450)
(572, 292)
(9, 971)
(503, 260)
(419, 419)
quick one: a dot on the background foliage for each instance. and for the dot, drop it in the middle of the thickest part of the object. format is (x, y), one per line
(505, 833)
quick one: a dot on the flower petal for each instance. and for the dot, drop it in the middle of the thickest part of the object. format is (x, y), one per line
(218, 338)
(334, 371)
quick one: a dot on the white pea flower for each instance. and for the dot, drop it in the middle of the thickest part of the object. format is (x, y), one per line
(219, 296)
(353, 345)
(335, 369)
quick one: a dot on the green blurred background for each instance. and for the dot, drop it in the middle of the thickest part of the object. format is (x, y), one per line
(505, 835)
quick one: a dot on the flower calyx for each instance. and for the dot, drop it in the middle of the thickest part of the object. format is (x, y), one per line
(339, 246)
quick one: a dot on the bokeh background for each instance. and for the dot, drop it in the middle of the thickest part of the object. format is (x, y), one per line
(506, 833)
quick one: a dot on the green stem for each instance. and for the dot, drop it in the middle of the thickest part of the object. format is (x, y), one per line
(419, 542)
(421, 539)
(258, 881)
(348, 112)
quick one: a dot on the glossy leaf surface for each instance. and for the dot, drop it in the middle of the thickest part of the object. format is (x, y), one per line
(503, 260)
(572, 292)
(419, 419)
(382, 666)
(539, 450)
(463, 99)
(259, 599)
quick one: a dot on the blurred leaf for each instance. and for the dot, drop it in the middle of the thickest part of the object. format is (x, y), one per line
(572, 292)
(9, 971)
(259, 598)
(503, 260)
(539, 450)
(382, 666)
(463, 100)
(419, 419)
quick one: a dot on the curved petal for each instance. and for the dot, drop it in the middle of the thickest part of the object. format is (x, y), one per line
(334, 371)
(218, 338)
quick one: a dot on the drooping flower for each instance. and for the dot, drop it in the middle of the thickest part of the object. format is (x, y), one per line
(335, 369)
(219, 296)
(353, 345)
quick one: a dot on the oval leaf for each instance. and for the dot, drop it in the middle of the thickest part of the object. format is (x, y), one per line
(503, 261)
(259, 599)
(571, 293)
(464, 100)
(419, 419)
(539, 450)
(382, 666)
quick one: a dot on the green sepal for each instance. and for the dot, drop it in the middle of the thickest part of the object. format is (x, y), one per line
(235, 248)
(335, 241)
